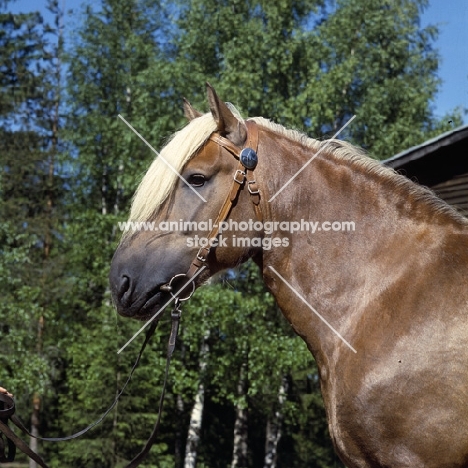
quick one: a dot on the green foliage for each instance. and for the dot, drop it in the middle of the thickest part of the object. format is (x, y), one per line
(19, 308)
(312, 65)
(69, 167)
(254, 52)
(28, 190)
(380, 65)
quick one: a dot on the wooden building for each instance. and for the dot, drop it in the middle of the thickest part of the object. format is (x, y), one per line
(441, 164)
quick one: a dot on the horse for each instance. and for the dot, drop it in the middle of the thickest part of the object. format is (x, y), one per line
(383, 307)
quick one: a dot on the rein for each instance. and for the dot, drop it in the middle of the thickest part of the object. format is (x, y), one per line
(7, 408)
(248, 160)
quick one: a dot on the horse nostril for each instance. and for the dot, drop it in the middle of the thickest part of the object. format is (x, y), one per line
(124, 286)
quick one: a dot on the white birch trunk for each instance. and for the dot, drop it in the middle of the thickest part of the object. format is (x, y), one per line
(274, 429)
(239, 454)
(34, 443)
(196, 417)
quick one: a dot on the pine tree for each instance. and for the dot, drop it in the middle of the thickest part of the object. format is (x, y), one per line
(30, 209)
(114, 68)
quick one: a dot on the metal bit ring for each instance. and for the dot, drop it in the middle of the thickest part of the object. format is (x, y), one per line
(180, 289)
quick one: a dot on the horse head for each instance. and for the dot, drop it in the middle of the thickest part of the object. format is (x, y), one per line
(181, 206)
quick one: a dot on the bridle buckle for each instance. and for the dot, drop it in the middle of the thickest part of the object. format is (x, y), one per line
(242, 173)
(202, 256)
(252, 191)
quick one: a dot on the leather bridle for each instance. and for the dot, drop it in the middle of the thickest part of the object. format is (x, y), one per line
(247, 157)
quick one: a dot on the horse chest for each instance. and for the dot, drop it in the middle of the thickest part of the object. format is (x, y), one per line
(398, 419)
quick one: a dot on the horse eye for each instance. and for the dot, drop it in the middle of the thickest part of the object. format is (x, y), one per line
(197, 180)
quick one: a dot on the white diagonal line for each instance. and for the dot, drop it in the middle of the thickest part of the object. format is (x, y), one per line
(160, 311)
(157, 154)
(313, 310)
(312, 158)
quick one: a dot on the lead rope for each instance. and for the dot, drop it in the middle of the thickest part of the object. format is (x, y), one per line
(175, 317)
(7, 407)
(247, 163)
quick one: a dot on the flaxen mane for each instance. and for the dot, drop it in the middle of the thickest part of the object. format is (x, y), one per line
(351, 154)
(161, 177)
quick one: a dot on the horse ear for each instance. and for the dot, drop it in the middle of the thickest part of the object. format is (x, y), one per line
(228, 124)
(190, 112)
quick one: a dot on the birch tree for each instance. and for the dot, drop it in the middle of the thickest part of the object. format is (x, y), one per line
(274, 427)
(196, 415)
(241, 424)
(312, 64)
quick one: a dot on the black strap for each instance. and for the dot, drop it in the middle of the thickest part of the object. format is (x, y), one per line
(175, 316)
(15, 442)
(21, 426)
(7, 407)
(8, 414)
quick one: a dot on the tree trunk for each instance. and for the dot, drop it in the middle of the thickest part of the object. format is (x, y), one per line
(33, 443)
(179, 443)
(273, 429)
(239, 455)
(196, 417)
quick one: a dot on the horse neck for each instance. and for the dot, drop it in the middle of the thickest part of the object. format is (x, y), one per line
(338, 273)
